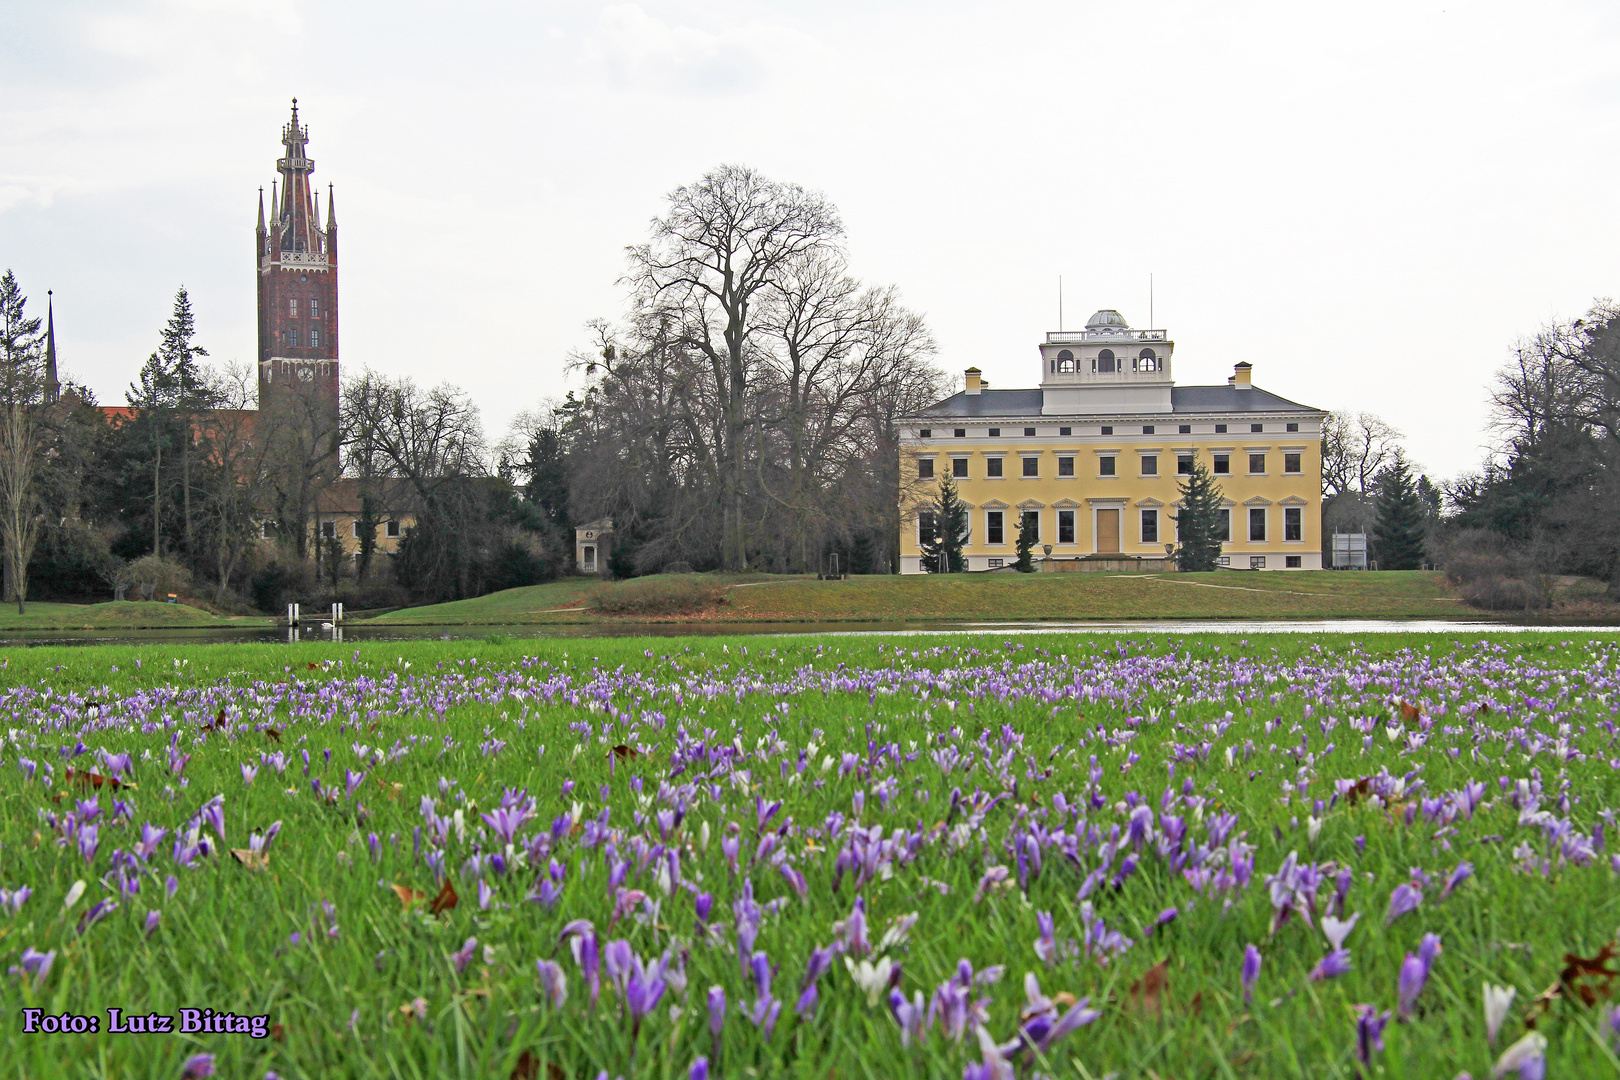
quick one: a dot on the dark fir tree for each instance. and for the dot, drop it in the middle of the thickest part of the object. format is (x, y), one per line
(942, 543)
(1198, 526)
(1028, 533)
(1402, 517)
(192, 395)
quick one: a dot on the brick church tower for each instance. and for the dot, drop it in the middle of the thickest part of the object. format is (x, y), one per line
(298, 309)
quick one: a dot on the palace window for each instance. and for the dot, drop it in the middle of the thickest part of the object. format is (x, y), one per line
(959, 468)
(1029, 433)
(1257, 427)
(1104, 362)
(1150, 526)
(1065, 431)
(1147, 429)
(1147, 361)
(1107, 429)
(1293, 427)
(1184, 464)
(314, 309)
(1032, 466)
(1105, 466)
(1257, 463)
(926, 433)
(267, 530)
(1293, 523)
(1220, 429)
(588, 560)
(391, 530)
(1223, 464)
(1291, 463)
(354, 526)
(1224, 560)
(994, 564)
(925, 468)
(992, 466)
(292, 306)
(995, 433)
(1150, 465)
(328, 529)
(1224, 529)
(292, 337)
(1032, 520)
(1065, 527)
(1294, 562)
(1257, 562)
(995, 531)
(1186, 429)
(925, 527)
(960, 433)
(1065, 362)
(314, 338)
(1257, 524)
(1065, 466)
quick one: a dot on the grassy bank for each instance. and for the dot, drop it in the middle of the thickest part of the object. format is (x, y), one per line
(123, 614)
(976, 597)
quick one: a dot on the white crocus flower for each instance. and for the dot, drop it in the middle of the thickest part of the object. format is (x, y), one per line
(73, 894)
(1337, 930)
(870, 977)
(1498, 1000)
(1520, 1054)
(703, 836)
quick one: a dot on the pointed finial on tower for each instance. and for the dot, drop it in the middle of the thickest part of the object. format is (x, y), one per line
(261, 212)
(295, 112)
(331, 209)
(53, 387)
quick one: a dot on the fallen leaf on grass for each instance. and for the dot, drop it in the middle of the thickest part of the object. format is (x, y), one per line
(253, 860)
(1541, 1004)
(1146, 994)
(622, 751)
(278, 1033)
(1409, 711)
(407, 895)
(527, 1067)
(446, 899)
(272, 734)
(94, 779)
(1595, 967)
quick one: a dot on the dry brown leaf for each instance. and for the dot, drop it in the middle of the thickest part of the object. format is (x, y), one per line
(554, 1071)
(527, 1067)
(1541, 1004)
(1064, 998)
(623, 752)
(1358, 790)
(446, 899)
(253, 860)
(94, 779)
(1577, 968)
(407, 895)
(1410, 712)
(1146, 994)
(278, 1033)
(1197, 1005)
(272, 734)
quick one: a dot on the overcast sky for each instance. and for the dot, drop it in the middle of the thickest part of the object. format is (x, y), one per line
(1369, 203)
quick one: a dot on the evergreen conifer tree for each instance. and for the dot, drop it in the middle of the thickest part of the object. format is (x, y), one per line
(1198, 526)
(1402, 517)
(1028, 532)
(942, 552)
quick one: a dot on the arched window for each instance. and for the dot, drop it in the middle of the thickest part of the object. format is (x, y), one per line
(1065, 361)
(1147, 360)
(1105, 361)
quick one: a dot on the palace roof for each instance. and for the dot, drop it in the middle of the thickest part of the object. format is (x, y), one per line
(1184, 401)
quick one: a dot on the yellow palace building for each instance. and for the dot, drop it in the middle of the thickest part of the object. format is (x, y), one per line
(1097, 451)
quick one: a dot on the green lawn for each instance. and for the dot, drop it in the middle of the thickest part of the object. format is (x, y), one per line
(1306, 595)
(124, 614)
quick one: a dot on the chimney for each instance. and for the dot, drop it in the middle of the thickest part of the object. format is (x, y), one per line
(1240, 376)
(971, 382)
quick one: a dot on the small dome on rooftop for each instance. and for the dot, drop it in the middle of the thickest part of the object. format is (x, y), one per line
(1106, 318)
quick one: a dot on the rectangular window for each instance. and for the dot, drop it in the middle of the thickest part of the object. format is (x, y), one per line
(959, 433)
(1108, 429)
(1223, 464)
(1257, 562)
(1032, 518)
(995, 433)
(292, 306)
(925, 468)
(925, 527)
(1225, 560)
(1225, 527)
(391, 530)
(1257, 463)
(292, 337)
(1184, 464)
(1294, 562)
(589, 561)
(959, 468)
(1186, 429)
(1032, 466)
(926, 433)
(994, 528)
(1291, 463)
(314, 338)
(1105, 466)
(1065, 527)
(994, 564)
(1029, 433)
(1065, 431)
(1150, 526)
(1065, 466)
(354, 527)
(1220, 429)
(314, 309)
(1147, 429)
(1293, 427)
(1150, 464)
(992, 466)
(329, 529)
(267, 530)
(1257, 427)
(1293, 523)
(1257, 525)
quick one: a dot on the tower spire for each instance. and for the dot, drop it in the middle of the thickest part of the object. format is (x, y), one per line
(53, 386)
(331, 211)
(261, 212)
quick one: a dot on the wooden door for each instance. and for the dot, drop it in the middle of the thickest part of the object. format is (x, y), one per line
(1108, 531)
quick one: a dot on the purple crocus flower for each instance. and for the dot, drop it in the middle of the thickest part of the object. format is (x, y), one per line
(553, 981)
(1046, 946)
(1369, 1032)
(15, 898)
(506, 822)
(212, 814)
(151, 837)
(909, 1015)
(1251, 971)
(464, 957)
(766, 1008)
(699, 1070)
(99, 911)
(1332, 965)
(89, 841)
(198, 1066)
(153, 918)
(717, 1016)
(1414, 973)
(352, 781)
(1463, 871)
(485, 895)
(820, 963)
(1403, 900)
(35, 963)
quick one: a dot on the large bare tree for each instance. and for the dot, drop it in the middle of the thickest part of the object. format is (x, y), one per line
(22, 389)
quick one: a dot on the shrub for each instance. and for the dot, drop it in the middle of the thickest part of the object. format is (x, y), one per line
(679, 566)
(1490, 575)
(164, 576)
(662, 594)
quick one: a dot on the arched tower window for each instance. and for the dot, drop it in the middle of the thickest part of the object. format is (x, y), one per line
(1065, 361)
(1105, 362)
(1147, 360)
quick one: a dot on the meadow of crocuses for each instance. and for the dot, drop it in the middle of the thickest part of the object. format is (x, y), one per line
(960, 856)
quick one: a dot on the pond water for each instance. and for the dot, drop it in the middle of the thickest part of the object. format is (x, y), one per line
(361, 631)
